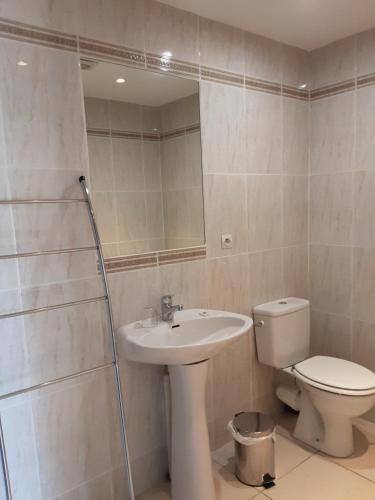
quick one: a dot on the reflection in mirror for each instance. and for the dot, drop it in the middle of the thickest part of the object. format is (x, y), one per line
(145, 158)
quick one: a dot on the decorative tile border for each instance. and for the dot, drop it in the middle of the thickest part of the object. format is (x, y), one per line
(149, 136)
(154, 259)
(28, 33)
(172, 66)
(330, 90)
(295, 93)
(131, 57)
(366, 80)
(219, 76)
(262, 86)
(109, 52)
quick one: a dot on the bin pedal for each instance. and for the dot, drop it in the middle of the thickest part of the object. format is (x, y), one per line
(268, 481)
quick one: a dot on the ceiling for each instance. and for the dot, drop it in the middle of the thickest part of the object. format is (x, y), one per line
(308, 24)
(141, 87)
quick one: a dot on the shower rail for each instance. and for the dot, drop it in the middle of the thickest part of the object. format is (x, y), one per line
(114, 364)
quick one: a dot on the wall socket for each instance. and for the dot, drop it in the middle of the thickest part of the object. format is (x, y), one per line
(226, 241)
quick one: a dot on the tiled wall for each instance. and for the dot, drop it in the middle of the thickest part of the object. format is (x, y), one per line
(255, 158)
(342, 227)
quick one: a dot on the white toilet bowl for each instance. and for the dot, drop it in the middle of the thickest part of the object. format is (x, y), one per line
(333, 392)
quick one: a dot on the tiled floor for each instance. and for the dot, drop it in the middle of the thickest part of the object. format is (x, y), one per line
(302, 473)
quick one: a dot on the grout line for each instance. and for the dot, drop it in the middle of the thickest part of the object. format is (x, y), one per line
(331, 460)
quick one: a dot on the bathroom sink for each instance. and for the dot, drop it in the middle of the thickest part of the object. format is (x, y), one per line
(195, 335)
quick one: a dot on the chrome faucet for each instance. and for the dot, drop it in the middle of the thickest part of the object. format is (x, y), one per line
(168, 309)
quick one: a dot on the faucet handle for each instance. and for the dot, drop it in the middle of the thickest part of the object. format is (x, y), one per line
(167, 299)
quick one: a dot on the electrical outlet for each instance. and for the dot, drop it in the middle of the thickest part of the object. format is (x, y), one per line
(226, 241)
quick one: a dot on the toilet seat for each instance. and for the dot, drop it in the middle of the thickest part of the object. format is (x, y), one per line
(336, 376)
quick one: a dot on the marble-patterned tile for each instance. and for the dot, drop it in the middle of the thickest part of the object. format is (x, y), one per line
(295, 136)
(154, 216)
(330, 335)
(136, 289)
(187, 282)
(330, 279)
(223, 128)
(96, 489)
(170, 30)
(295, 210)
(228, 284)
(125, 116)
(264, 212)
(263, 58)
(296, 272)
(106, 215)
(333, 63)
(41, 128)
(221, 46)
(97, 112)
(225, 213)
(266, 276)
(151, 118)
(119, 22)
(331, 209)
(101, 164)
(183, 112)
(127, 165)
(364, 344)
(363, 220)
(174, 163)
(36, 226)
(152, 165)
(332, 134)
(231, 371)
(149, 471)
(363, 284)
(131, 213)
(365, 133)
(7, 231)
(143, 392)
(263, 132)
(366, 52)
(296, 67)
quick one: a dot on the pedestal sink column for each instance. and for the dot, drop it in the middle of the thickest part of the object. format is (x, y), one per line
(191, 460)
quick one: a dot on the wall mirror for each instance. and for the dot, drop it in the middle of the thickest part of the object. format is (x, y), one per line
(144, 141)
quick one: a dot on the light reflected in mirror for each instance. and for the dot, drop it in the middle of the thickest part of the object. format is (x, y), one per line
(143, 133)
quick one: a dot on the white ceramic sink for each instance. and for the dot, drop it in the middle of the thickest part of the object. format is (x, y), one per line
(196, 335)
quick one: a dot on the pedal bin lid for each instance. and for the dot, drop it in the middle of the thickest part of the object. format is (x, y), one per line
(253, 424)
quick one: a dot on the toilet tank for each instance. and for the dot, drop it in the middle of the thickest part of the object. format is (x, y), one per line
(284, 337)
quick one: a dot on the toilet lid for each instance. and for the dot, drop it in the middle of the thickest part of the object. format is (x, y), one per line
(336, 373)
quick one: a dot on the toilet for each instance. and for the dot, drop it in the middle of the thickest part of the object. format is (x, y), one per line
(329, 393)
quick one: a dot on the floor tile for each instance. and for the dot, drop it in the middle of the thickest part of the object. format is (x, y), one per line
(160, 492)
(363, 459)
(228, 487)
(320, 479)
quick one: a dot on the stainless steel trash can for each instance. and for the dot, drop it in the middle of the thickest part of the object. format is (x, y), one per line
(254, 437)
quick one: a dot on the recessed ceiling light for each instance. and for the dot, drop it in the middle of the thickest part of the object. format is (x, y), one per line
(167, 54)
(302, 86)
(120, 80)
(22, 63)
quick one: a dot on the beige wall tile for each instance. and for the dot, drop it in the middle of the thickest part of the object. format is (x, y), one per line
(363, 202)
(96, 112)
(295, 136)
(172, 30)
(365, 145)
(331, 209)
(131, 212)
(364, 344)
(363, 284)
(225, 212)
(187, 282)
(127, 165)
(106, 216)
(152, 165)
(330, 335)
(223, 128)
(333, 63)
(330, 279)
(332, 134)
(264, 212)
(221, 46)
(228, 284)
(125, 116)
(263, 132)
(101, 168)
(296, 66)
(296, 272)
(263, 58)
(295, 210)
(266, 276)
(154, 216)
